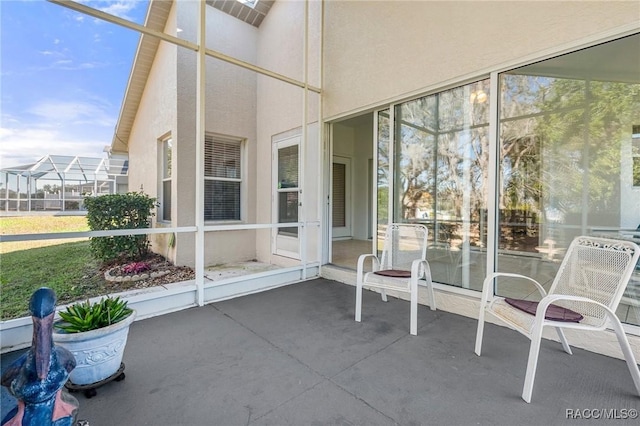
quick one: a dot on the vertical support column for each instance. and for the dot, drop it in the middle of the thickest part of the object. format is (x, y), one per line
(302, 232)
(6, 192)
(374, 192)
(201, 82)
(64, 186)
(29, 192)
(493, 192)
(17, 192)
(392, 160)
(323, 229)
(465, 148)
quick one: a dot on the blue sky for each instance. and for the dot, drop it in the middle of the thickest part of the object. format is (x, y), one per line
(62, 77)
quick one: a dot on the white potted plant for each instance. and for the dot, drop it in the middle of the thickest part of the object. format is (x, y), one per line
(96, 334)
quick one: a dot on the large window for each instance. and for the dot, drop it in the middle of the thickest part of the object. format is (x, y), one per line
(440, 175)
(223, 178)
(566, 147)
(568, 163)
(166, 173)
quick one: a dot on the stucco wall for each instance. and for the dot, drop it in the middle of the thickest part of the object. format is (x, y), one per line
(377, 50)
(231, 110)
(156, 118)
(280, 109)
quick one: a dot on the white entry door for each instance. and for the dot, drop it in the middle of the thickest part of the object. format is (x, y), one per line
(341, 197)
(286, 196)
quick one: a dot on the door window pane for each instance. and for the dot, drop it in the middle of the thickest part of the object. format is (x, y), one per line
(288, 212)
(288, 167)
(288, 188)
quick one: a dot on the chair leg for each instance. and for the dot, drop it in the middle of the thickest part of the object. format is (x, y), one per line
(413, 329)
(432, 296)
(359, 300)
(563, 340)
(628, 353)
(532, 363)
(480, 331)
(383, 294)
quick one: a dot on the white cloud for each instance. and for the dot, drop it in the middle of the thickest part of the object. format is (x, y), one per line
(69, 127)
(119, 8)
(61, 113)
(26, 146)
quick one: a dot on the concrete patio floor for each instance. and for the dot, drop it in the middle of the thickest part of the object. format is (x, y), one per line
(295, 356)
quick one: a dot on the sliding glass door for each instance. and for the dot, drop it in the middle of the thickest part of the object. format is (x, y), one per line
(567, 163)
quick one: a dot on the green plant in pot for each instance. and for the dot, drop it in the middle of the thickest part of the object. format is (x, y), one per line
(96, 334)
(87, 316)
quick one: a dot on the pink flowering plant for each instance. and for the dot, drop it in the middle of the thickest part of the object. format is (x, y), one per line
(135, 267)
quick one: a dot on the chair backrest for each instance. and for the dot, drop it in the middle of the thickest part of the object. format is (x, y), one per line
(597, 268)
(403, 243)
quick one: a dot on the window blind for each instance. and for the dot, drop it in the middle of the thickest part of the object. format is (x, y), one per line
(222, 186)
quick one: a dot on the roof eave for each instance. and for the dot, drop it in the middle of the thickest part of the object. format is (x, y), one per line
(156, 19)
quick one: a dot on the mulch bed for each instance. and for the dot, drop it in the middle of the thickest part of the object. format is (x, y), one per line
(176, 274)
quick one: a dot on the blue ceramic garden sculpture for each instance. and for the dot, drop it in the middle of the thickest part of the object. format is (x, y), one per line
(37, 378)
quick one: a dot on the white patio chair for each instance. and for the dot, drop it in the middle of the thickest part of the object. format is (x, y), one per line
(402, 264)
(584, 295)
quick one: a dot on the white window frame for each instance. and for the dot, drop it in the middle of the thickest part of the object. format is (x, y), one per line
(241, 142)
(284, 244)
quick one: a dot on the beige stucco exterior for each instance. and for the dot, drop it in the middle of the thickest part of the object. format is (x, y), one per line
(380, 50)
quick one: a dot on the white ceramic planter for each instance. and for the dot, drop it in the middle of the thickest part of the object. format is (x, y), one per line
(98, 352)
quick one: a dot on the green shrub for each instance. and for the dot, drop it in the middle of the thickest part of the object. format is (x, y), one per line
(132, 210)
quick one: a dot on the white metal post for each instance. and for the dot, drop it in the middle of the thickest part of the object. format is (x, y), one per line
(200, 127)
(320, 236)
(392, 158)
(302, 231)
(374, 195)
(493, 193)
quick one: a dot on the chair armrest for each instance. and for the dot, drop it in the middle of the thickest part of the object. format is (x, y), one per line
(548, 300)
(362, 258)
(415, 269)
(487, 285)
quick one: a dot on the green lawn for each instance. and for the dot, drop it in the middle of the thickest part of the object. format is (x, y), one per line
(38, 225)
(66, 266)
(69, 269)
